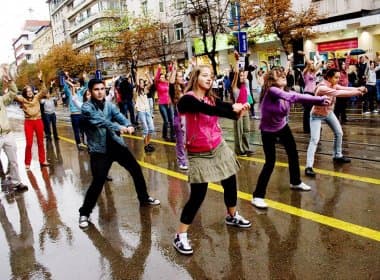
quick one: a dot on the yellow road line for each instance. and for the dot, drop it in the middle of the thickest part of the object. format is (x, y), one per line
(352, 177)
(309, 215)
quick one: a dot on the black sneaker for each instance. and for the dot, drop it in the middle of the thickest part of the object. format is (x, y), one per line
(309, 172)
(148, 148)
(20, 187)
(181, 244)
(150, 201)
(341, 160)
(151, 147)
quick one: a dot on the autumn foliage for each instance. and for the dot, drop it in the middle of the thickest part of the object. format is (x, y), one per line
(59, 58)
(279, 18)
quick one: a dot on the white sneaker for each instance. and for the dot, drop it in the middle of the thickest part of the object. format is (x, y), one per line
(301, 187)
(259, 203)
(83, 221)
(183, 167)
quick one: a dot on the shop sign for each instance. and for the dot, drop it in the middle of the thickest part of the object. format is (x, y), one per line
(338, 45)
(221, 44)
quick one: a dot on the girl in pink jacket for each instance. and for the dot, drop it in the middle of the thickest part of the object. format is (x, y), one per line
(164, 105)
(210, 158)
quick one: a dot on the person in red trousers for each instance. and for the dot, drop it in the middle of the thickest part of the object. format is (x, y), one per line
(30, 104)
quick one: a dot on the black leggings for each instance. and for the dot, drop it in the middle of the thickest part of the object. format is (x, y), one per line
(198, 194)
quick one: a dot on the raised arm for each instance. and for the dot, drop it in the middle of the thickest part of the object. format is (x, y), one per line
(12, 89)
(158, 74)
(173, 73)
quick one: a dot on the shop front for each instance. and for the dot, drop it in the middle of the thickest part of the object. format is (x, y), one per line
(341, 37)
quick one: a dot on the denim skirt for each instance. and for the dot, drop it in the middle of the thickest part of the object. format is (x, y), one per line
(212, 166)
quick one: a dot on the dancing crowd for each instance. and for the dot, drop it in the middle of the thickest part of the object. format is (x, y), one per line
(191, 101)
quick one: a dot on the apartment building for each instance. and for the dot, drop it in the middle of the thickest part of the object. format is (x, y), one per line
(23, 44)
(42, 42)
(59, 10)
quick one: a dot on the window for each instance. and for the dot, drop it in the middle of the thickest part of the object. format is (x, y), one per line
(178, 31)
(179, 4)
(161, 5)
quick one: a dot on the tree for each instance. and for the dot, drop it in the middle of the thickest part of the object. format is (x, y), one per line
(27, 75)
(212, 18)
(64, 58)
(279, 18)
(131, 39)
(59, 58)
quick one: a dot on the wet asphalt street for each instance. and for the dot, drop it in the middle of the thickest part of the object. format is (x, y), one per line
(331, 232)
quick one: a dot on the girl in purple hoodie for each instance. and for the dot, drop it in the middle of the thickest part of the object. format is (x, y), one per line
(275, 102)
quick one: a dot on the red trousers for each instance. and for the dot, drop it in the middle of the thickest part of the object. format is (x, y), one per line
(31, 126)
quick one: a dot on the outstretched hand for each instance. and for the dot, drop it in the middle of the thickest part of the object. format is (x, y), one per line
(240, 108)
(125, 129)
(326, 101)
(363, 90)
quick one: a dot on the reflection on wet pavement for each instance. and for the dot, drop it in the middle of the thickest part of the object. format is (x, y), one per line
(40, 237)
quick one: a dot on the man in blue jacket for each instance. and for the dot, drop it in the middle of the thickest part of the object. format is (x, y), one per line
(104, 124)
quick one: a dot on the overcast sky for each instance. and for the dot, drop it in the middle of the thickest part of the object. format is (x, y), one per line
(13, 15)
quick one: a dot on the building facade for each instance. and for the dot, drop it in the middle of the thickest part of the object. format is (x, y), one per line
(23, 45)
(350, 25)
(42, 42)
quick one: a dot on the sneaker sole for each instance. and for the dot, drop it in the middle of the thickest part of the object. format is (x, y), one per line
(239, 226)
(84, 226)
(181, 251)
(300, 189)
(144, 204)
(259, 207)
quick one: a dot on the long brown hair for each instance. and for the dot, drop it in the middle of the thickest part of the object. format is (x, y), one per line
(193, 83)
(270, 80)
(25, 89)
(179, 89)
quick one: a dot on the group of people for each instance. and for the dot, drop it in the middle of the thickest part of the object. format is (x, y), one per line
(190, 113)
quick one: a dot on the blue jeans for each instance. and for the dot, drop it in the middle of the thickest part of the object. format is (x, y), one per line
(50, 120)
(77, 124)
(151, 105)
(147, 122)
(378, 90)
(166, 111)
(315, 134)
(128, 106)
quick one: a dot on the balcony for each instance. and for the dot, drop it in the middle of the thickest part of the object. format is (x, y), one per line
(336, 8)
(77, 26)
(85, 41)
(57, 7)
(82, 5)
